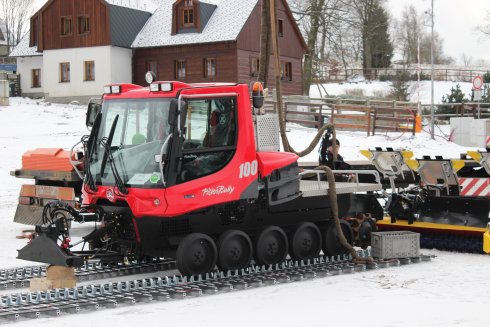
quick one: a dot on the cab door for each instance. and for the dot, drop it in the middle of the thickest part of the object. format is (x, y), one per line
(216, 159)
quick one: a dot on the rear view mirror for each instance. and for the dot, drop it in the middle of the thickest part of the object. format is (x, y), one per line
(93, 110)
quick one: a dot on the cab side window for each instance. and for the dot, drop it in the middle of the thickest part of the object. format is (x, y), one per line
(210, 136)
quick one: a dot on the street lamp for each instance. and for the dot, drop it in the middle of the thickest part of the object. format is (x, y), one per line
(432, 71)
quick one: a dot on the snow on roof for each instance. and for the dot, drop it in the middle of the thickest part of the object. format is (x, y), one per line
(224, 25)
(24, 50)
(144, 5)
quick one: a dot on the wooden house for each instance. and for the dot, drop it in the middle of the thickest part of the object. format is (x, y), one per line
(75, 47)
(215, 41)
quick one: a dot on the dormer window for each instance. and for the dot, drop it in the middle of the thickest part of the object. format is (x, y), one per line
(188, 14)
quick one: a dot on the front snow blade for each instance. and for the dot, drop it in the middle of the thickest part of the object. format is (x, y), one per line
(44, 249)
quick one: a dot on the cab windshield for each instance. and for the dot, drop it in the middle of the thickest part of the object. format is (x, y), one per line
(131, 143)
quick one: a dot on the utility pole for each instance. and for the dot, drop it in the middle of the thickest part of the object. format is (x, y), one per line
(432, 72)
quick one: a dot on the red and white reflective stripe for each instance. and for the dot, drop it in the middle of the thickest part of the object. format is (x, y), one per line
(475, 186)
(488, 141)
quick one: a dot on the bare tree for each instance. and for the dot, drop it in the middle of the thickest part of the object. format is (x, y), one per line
(466, 59)
(16, 15)
(408, 32)
(440, 58)
(485, 27)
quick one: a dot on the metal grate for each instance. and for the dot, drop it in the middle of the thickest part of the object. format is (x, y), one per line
(176, 226)
(267, 132)
(231, 214)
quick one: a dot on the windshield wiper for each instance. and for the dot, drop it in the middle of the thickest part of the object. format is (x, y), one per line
(108, 143)
(89, 147)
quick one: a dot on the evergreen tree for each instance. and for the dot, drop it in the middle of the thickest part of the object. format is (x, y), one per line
(456, 96)
(382, 48)
(377, 47)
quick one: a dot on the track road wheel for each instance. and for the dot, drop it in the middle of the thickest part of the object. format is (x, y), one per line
(271, 246)
(234, 250)
(196, 254)
(367, 227)
(331, 242)
(305, 242)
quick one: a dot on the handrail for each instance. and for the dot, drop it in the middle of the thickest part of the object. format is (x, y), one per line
(341, 171)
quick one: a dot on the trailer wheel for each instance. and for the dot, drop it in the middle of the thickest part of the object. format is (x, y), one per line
(331, 242)
(305, 242)
(234, 250)
(196, 254)
(271, 246)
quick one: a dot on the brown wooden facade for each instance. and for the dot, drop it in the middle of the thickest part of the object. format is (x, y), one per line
(89, 25)
(235, 61)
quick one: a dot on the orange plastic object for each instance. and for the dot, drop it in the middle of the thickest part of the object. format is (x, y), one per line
(418, 124)
(54, 159)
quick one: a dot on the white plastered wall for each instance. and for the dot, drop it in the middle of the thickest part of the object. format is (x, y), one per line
(25, 65)
(112, 65)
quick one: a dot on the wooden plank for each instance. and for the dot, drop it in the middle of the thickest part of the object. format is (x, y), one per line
(354, 126)
(396, 119)
(353, 117)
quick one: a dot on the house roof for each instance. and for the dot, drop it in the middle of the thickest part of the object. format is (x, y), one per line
(24, 50)
(225, 24)
(126, 23)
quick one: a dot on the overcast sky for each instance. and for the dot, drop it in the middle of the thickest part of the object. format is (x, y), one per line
(455, 21)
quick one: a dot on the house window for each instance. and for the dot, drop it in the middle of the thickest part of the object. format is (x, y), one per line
(64, 72)
(209, 67)
(66, 25)
(152, 66)
(286, 71)
(188, 14)
(280, 31)
(188, 17)
(254, 66)
(2, 38)
(83, 25)
(180, 69)
(36, 78)
(89, 70)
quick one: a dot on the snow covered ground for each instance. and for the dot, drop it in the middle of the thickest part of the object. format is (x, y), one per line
(449, 291)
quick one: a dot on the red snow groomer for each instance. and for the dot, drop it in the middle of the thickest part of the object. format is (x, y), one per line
(449, 207)
(194, 172)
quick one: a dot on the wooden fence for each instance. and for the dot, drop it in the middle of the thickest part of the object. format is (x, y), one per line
(353, 115)
(356, 117)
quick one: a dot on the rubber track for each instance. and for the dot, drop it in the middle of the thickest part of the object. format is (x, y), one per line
(110, 295)
(19, 277)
